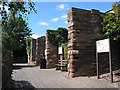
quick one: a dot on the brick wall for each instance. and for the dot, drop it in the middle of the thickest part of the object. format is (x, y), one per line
(51, 54)
(83, 31)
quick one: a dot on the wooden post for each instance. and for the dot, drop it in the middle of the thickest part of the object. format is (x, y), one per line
(110, 64)
(97, 62)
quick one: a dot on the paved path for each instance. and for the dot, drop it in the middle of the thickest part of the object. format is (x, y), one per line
(33, 77)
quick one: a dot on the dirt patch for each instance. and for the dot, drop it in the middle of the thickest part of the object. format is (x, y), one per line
(106, 78)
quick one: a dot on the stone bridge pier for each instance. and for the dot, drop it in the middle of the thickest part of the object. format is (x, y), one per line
(51, 53)
(83, 31)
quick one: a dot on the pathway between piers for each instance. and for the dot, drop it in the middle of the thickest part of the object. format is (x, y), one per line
(30, 76)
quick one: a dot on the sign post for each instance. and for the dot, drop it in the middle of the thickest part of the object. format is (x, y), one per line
(97, 62)
(104, 46)
(110, 64)
(61, 52)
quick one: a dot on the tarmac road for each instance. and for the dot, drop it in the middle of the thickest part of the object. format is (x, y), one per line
(30, 76)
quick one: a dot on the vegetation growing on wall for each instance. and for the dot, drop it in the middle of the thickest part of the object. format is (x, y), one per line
(28, 46)
(43, 37)
(57, 37)
(64, 45)
(111, 23)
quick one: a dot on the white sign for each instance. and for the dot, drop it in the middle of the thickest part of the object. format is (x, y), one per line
(103, 45)
(60, 50)
(45, 51)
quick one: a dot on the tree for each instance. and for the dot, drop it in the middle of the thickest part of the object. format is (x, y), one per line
(17, 9)
(111, 23)
(14, 24)
(28, 47)
(14, 31)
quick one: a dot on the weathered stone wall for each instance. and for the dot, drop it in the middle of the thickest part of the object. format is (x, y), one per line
(51, 54)
(83, 31)
(33, 54)
(33, 51)
(40, 50)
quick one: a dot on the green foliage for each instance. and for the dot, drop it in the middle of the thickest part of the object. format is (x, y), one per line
(64, 45)
(14, 33)
(17, 8)
(111, 23)
(57, 37)
(7, 60)
(14, 25)
(28, 45)
(43, 37)
(14, 30)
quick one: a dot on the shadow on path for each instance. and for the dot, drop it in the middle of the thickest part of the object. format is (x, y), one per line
(22, 85)
(20, 66)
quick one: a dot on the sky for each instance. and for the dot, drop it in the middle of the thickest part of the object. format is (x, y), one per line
(52, 15)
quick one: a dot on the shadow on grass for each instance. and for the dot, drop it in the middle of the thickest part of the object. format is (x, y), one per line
(23, 85)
